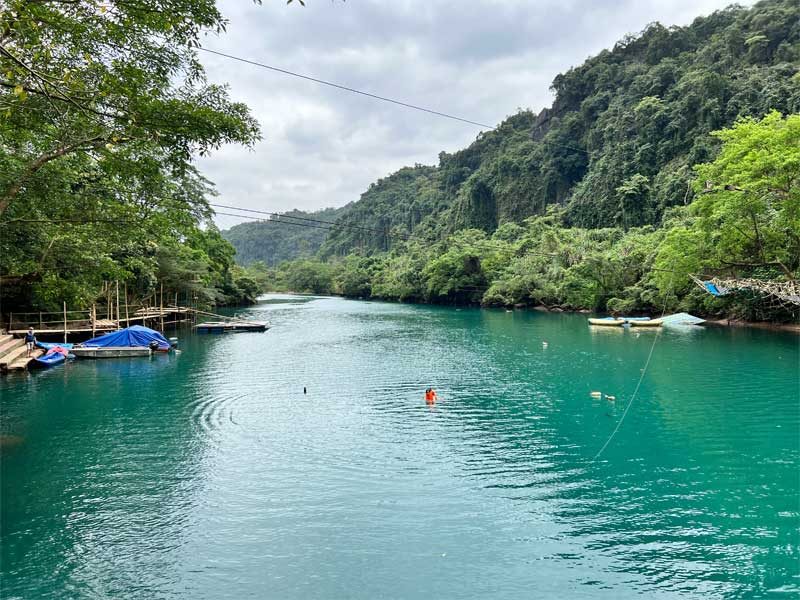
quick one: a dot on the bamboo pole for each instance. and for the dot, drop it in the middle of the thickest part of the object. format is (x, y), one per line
(162, 306)
(127, 318)
(93, 316)
(117, 286)
(65, 321)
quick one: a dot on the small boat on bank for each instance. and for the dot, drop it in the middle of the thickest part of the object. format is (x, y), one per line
(48, 360)
(226, 326)
(623, 321)
(607, 322)
(646, 323)
(55, 355)
(131, 341)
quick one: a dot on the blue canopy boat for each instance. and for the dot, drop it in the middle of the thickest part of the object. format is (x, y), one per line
(56, 354)
(131, 341)
(48, 360)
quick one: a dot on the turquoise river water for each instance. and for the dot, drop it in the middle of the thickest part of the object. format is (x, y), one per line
(210, 474)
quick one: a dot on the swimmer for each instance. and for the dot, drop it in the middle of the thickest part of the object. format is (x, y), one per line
(430, 396)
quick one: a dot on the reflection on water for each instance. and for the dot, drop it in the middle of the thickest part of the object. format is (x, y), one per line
(210, 474)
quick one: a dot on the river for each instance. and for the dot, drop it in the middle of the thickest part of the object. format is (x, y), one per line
(211, 474)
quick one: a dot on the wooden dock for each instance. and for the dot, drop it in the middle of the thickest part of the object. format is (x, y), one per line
(89, 322)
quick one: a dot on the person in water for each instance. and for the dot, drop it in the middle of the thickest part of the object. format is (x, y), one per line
(430, 396)
(30, 340)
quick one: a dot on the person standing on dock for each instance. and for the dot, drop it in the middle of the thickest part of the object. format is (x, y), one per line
(30, 341)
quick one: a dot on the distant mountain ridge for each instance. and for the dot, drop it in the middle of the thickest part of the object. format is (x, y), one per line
(273, 242)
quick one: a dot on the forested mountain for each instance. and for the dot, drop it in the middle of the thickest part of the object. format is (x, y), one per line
(617, 145)
(675, 153)
(273, 242)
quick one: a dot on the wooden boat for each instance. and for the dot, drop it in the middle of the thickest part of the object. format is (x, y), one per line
(111, 351)
(646, 323)
(226, 326)
(607, 321)
(632, 321)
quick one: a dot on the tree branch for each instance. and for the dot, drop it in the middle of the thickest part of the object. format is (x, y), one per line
(12, 191)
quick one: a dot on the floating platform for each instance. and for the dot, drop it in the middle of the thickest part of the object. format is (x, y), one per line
(226, 326)
(111, 351)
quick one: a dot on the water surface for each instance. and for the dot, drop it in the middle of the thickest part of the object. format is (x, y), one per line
(210, 474)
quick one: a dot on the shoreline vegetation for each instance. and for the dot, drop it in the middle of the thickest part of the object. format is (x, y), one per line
(710, 322)
(673, 154)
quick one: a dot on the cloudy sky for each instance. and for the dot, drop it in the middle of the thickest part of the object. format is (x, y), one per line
(477, 59)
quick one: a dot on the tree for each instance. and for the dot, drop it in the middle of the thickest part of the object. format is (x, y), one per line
(750, 194)
(102, 108)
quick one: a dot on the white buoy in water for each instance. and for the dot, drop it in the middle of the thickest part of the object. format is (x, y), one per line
(596, 394)
(612, 398)
(544, 344)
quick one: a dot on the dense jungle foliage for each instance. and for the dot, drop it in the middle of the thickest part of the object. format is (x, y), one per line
(745, 219)
(102, 107)
(272, 243)
(609, 199)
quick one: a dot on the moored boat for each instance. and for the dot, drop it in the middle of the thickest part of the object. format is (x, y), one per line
(225, 326)
(622, 321)
(48, 360)
(131, 341)
(646, 323)
(111, 351)
(607, 321)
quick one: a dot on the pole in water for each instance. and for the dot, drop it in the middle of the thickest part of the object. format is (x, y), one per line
(304, 389)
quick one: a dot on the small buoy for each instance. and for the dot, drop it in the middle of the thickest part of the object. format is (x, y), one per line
(612, 398)
(544, 344)
(596, 394)
(304, 389)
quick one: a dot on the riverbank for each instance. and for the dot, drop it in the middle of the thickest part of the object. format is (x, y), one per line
(791, 327)
(713, 321)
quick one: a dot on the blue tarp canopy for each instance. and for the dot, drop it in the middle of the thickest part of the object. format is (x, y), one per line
(712, 289)
(136, 335)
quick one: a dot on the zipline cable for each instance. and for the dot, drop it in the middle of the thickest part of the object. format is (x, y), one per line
(282, 216)
(344, 87)
(641, 379)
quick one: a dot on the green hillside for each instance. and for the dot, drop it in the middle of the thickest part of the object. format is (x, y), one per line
(274, 243)
(617, 145)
